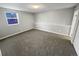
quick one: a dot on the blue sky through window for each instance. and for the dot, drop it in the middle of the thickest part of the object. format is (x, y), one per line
(11, 18)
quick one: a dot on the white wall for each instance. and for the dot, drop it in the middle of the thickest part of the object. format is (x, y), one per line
(56, 21)
(25, 23)
(76, 39)
(74, 25)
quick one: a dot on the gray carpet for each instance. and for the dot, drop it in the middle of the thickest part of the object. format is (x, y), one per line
(36, 43)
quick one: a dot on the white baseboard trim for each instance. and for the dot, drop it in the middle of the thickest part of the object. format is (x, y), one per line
(51, 32)
(66, 36)
(14, 34)
(59, 29)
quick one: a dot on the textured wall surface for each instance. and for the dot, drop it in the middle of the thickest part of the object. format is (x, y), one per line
(26, 22)
(58, 21)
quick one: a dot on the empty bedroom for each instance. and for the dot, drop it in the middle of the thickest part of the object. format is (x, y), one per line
(39, 29)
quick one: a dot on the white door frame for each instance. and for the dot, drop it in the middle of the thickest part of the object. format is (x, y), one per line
(74, 25)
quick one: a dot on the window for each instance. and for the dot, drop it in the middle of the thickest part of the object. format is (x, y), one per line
(12, 18)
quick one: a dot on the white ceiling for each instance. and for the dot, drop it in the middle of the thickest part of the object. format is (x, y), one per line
(43, 6)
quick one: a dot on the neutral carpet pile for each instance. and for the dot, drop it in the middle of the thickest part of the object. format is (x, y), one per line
(36, 43)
